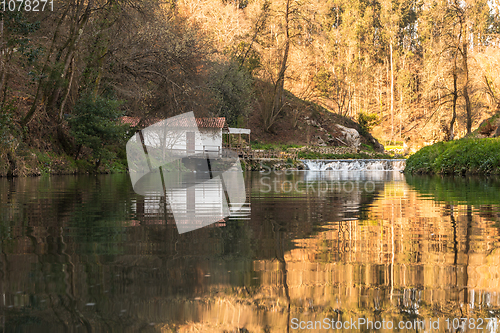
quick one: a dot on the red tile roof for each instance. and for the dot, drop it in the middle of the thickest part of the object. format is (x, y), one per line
(214, 122)
(219, 122)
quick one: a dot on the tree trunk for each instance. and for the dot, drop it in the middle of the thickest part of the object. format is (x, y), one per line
(5, 58)
(468, 107)
(465, 91)
(71, 45)
(79, 23)
(451, 134)
(3, 65)
(280, 82)
(78, 149)
(392, 95)
(259, 26)
(68, 90)
(33, 107)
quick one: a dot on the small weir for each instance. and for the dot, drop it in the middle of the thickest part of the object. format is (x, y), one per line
(355, 165)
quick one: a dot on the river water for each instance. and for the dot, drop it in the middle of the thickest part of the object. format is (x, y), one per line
(308, 251)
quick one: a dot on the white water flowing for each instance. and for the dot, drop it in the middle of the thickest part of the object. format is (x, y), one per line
(355, 165)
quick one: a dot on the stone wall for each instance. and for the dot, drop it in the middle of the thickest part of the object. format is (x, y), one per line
(328, 150)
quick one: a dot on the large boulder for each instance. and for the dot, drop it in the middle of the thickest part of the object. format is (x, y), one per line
(349, 135)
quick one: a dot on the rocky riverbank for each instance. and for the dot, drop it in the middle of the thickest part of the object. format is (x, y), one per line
(35, 163)
(26, 163)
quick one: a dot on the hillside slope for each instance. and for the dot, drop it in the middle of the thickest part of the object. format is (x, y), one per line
(303, 123)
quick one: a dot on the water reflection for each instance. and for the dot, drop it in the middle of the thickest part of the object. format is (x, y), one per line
(373, 175)
(86, 254)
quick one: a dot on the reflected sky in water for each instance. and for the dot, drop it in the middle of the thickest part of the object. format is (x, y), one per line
(87, 254)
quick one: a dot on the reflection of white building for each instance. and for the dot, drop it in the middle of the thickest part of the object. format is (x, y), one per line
(194, 206)
(192, 199)
(191, 206)
(198, 205)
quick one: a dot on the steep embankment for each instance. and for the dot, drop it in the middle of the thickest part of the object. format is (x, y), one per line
(304, 123)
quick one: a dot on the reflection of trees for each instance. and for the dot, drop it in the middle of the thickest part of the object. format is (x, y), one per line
(83, 255)
(402, 244)
(455, 242)
(468, 236)
(280, 245)
(309, 205)
(479, 194)
(461, 287)
(47, 218)
(478, 191)
(409, 302)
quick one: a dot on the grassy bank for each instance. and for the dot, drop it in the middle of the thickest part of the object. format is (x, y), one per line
(23, 160)
(465, 156)
(32, 162)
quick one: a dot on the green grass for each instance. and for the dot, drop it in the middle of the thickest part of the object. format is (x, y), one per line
(273, 146)
(366, 147)
(471, 156)
(366, 153)
(45, 161)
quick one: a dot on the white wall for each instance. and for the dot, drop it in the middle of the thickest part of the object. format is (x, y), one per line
(210, 138)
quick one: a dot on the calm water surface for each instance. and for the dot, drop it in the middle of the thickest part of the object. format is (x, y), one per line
(87, 254)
